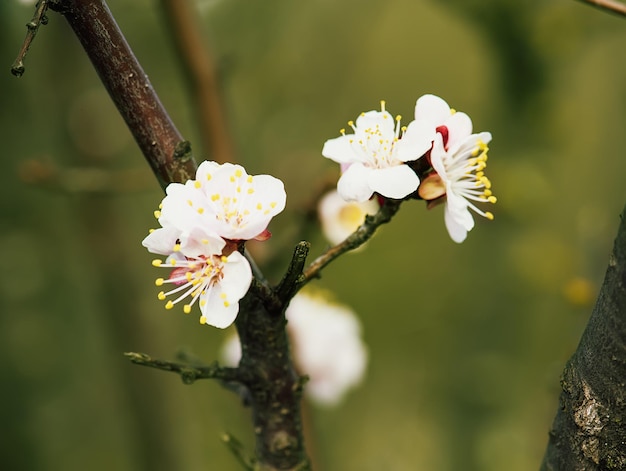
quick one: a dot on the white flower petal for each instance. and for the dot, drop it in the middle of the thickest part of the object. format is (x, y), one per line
(459, 127)
(161, 241)
(353, 184)
(393, 182)
(376, 119)
(220, 303)
(416, 141)
(340, 150)
(432, 109)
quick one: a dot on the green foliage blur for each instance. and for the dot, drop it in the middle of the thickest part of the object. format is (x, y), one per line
(466, 342)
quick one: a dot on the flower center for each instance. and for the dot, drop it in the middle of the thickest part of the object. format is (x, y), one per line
(468, 179)
(192, 277)
(378, 146)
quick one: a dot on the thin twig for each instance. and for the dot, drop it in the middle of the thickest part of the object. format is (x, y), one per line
(238, 451)
(356, 239)
(610, 6)
(39, 18)
(188, 373)
(199, 67)
(293, 278)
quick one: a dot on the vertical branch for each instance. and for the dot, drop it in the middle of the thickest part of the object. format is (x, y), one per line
(588, 431)
(199, 66)
(168, 154)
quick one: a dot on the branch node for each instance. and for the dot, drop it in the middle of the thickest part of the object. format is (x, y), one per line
(182, 151)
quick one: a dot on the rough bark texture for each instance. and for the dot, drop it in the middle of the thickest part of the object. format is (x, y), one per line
(273, 388)
(589, 431)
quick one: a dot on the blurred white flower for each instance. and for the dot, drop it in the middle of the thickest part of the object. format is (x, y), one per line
(340, 218)
(374, 156)
(326, 345)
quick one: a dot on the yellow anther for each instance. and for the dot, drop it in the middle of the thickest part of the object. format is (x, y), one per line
(238, 189)
(157, 214)
(273, 204)
(403, 128)
(232, 179)
(226, 304)
(197, 184)
(487, 193)
(266, 212)
(188, 276)
(351, 123)
(202, 302)
(169, 304)
(238, 173)
(246, 212)
(452, 111)
(382, 105)
(249, 179)
(173, 262)
(150, 231)
(202, 320)
(159, 282)
(161, 296)
(492, 199)
(224, 259)
(176, 248)
(160, 205)
(215, 197)
(209, 176)
(489, 215)
(250, 191)
(398, 118)
(157, 262)
(342, 131)
(200, 210)
(259, 206)
(204, 241)
(186, 308)
(223, 295)
(189, 202)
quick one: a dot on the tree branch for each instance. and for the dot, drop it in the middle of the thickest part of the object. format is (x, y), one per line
(188, 373)
(610, 6)
(356, 239)
(168, 154)
(588, 430)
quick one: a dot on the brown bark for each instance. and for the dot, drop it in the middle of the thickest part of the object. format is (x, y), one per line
(589, 431)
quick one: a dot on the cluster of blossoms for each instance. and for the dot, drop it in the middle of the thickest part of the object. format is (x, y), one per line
(202, 224)
(436, 158)
(327, 346)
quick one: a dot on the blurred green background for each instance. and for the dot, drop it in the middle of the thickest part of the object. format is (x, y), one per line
(466, 342)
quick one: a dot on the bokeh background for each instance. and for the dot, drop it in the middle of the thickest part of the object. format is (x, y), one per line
(466, 342)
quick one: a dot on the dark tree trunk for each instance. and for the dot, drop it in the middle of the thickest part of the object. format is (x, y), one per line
(589, 431)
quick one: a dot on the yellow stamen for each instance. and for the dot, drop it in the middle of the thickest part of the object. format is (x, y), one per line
(157, 262)
(159, 282)
(186, 308)
(169, 305)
